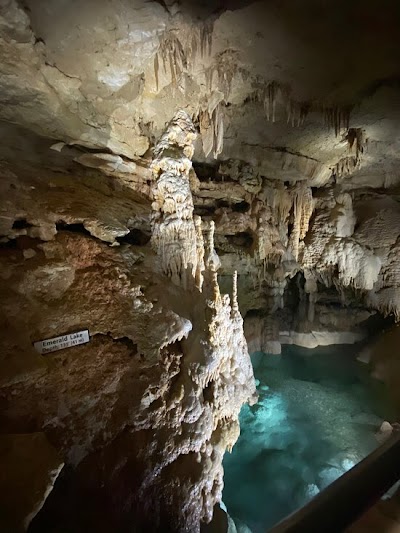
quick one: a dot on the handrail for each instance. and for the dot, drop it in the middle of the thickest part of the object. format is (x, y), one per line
(347, 498)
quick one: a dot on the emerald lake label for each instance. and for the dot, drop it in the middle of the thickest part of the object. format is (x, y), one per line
(64, 341)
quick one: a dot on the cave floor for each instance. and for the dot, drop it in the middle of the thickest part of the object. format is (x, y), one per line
(317, 415)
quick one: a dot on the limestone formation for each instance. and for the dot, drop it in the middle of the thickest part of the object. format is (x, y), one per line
(167, 367)
(174, 234)
(156, 157)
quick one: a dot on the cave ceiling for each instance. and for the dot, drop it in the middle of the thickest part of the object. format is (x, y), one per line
(278, 83)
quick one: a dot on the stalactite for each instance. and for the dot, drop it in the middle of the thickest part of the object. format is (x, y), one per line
(281, 201)
(355, 138)
(206, 37)
(303, 206)
(296, 112)
(200, 41)
(156, 70)
(225, 67)
(218, 121)
(173, 57)
(346, 165)
(211, 123)
(270, 100)
(177, 54)
(337, 117)
(307, 207)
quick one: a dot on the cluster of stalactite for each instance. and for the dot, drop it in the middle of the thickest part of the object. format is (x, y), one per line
(211, 124)
(176, 55)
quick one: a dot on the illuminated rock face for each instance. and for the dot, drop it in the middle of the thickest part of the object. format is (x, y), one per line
(150, 405)
(147, 146)
(110, 76)
(314, 265)
(174, 234)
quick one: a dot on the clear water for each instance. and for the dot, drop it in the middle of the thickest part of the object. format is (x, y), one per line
(316, 417)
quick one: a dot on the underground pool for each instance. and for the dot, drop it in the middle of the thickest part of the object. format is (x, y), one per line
(316, 417)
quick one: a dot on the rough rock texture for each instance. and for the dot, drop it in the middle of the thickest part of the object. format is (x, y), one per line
(313, 265)
(175, 235)
(150, 405)
(297, 157)
(291, 118)
(263, 79)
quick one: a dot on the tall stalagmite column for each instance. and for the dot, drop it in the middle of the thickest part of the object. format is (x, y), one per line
(175, 234)
(198, 412)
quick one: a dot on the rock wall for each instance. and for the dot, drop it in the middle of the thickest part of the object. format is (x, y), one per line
(383, 361)
(316, 266)
(296, 160)
(142, 414)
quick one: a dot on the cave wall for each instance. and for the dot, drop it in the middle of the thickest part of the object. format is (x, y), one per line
(142, 414)
(317, 265)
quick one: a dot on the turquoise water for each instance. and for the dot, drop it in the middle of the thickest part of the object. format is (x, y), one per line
(316, 417)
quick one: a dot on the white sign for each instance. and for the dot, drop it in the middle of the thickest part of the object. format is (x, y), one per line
(59, 343)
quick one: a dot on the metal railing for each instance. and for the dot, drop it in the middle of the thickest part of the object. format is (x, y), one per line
(347, 498)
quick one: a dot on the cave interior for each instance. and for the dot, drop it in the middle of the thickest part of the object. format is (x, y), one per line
(199, 260)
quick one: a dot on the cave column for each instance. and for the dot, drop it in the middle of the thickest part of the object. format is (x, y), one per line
(176, 235)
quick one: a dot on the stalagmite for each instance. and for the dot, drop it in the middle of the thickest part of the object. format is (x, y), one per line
(235, 305)
(174, 231)
(199, 252)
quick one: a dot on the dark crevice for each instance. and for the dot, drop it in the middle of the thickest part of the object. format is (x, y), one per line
(21, 223)
(283, 150)
(206, 172)
(222, 203)
(208, 392)
(204, 210)
(74, 228)
(133, 348)
(129, 344)
(135, 237)
(22, 242)
(9, 245)
(243, 239)
(239, 207)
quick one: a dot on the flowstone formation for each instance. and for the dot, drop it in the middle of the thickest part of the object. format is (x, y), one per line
(320, 262)
(142, 414)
